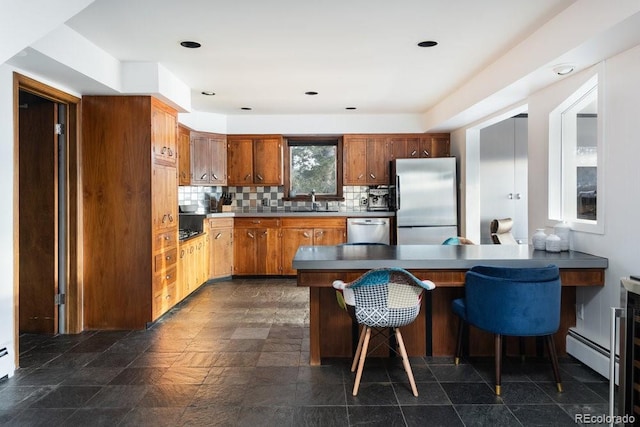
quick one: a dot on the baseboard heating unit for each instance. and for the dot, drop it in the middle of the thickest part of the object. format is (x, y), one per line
(6, 365)
(590, 353)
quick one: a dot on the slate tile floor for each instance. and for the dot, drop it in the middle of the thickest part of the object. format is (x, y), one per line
(236, 354)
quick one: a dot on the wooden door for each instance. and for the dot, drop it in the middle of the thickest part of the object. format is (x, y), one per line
(240, 161)
(267, 161)
(221, 252)
(184, 271)
(218, 158)
(329, 236)
(268, 251)
(437, 145)
(200, 159)
(355, 163)
(184, 156)
(292, 239)
(164, 133)
(377, 161)
(38, 216)
(164, 198)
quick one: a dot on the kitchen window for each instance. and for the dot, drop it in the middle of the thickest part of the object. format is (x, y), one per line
(313, 164)
(575, 154)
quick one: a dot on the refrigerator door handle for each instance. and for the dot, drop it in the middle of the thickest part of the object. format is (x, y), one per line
(397, 192)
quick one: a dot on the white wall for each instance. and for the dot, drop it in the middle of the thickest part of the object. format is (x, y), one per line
(622, 151)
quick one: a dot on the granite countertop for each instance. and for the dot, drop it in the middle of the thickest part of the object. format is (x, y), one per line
(364, 257)
(268, 212)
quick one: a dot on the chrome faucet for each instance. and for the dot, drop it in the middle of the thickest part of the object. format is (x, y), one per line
(313, 200)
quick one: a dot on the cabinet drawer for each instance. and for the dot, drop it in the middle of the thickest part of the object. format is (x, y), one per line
(165, 240)
(164, 300)
(314, 222)
(220, 222)
(163, 280)
(165, 260)
(257, 222)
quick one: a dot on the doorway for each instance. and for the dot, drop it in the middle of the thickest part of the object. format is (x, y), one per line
(47, 274)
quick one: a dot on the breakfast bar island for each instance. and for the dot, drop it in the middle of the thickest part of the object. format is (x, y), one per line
(434, 331)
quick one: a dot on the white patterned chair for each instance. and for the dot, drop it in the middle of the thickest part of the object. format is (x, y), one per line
(383, 298)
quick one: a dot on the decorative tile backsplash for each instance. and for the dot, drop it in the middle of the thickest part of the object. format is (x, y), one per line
(266, 197)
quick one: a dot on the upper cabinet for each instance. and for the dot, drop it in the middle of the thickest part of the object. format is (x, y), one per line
(184, 156)
(164, 133)
(255, 159)
(208, 159)
(435, 145)
(419, 145)
(366, 160)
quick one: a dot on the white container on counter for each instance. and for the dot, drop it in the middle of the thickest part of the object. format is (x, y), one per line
(539, 240)
(563, 231)
(552, 243)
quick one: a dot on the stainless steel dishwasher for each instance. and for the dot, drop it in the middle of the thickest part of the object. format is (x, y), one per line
(368, 230)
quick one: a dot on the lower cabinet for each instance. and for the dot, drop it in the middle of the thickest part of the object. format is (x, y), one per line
(220, 241)
(257, 246)
(298, 232)
(192, 265)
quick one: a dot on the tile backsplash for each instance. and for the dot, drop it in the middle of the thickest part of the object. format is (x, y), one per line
(265, 197)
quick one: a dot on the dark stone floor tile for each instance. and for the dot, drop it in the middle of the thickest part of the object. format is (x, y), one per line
(165, 344)
(470, 393)
(168, 395)
(94, 344)
(321, 374)
(196, 359)
(525, 393)
(572, 392)
(155, 360)
(112, 360)
(486, 415)
(45, 417)
(270, 395)
(96, 417)
(601, 389)
(310, 394)
(139, 376)
(237, 359)
(371, 394)
(7, 415)
(428, 394)
(511, 372)
(20, 397)
(229, 376)
(184, 375)
(223, 416)
(579, 413)
(581, 373)
(375, 416)
(420, 374)
(219, 395)
(291, 358)
(431, 415)
(541, 415)
(34, 359)
(456, 374)
(274, 375)
(92, 376)
(320, 416)
(45, 376)
(266, 416)
(66, 397)
(156, 417)
(118, 396)
(72, 360)
(131, 345)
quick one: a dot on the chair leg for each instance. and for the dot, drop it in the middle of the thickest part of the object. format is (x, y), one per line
(405, 362)
(459, 343)
(498, 351)
(358, 349)
(521, 342)
(363, 354)
(554, 361)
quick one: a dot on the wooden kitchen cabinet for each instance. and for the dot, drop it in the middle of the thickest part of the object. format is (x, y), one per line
(437, 144)
(418, 146)
(309, 231)
(365, 160)
(257, 246)
(184, 155)
(130, 202)
(220, 233)
(208, 159)
(193, 266)
(255, 160)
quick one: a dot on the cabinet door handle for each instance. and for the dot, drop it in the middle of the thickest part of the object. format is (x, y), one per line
(168, 276)
(182, 253)
(264, 233)
(256, 221)
(170, 152)
(191, 248)
(372, 176)
(214, 175)
(167, 237)
(250, 235)
(510, 196)
(360, 176)
(413, 153)
(164, 150)
(170, 217)
(426, 153)
(319, 233)
(305, 234)
(247, 177)
(164, 218)
(218, 236)
(259, 177)
(518, 196)
(168, 258)
(204, 176)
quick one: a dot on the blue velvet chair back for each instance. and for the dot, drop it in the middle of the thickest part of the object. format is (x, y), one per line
(514, 301)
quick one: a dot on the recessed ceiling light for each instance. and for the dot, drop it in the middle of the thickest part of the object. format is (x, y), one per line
(427, 43)
(563, 69)
(208, 93)
(311, 93)
(246, 108)
(190, 44)
(350, 108)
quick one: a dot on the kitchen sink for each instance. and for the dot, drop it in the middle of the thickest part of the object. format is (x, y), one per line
(309, 209)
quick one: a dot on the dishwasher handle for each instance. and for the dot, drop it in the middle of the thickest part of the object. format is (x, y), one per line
(369, 222)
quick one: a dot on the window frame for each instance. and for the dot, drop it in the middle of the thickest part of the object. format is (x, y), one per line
(313, 140)
(559, 205)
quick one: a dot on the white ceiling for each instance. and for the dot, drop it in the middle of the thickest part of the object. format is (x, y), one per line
(355, 53)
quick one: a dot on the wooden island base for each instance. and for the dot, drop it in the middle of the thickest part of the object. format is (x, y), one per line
(434, 331)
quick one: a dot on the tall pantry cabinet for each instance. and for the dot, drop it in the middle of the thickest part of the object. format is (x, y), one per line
(130, 210)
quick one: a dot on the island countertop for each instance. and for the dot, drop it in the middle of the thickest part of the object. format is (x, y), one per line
(429, 257)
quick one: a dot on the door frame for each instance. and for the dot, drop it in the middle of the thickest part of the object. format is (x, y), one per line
(73, 235)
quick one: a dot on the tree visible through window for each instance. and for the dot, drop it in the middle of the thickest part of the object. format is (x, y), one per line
(313, 166)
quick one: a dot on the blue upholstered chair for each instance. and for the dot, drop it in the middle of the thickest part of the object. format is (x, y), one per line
(383, 298)
(520, 302)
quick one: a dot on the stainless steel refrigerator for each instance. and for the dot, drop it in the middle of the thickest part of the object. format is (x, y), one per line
(424, 197)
